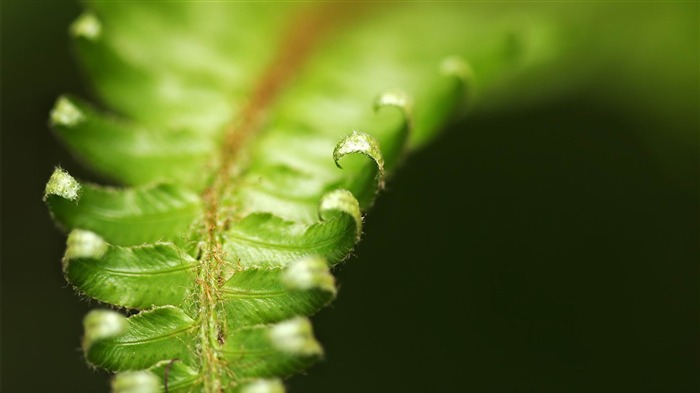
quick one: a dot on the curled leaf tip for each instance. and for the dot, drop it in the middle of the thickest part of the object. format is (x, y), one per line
(457, 67)
(309, 273)
(136, 382)
(63, 185)
(396, 98)
(461, 74)
(65, 113)
(84, 244)
(399, 99)
(87, 26)
(362, 143)
(102, 324)
(342, 201)
(263, 386)
(295, 336)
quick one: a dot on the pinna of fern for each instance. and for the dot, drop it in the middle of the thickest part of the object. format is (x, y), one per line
(244, 173)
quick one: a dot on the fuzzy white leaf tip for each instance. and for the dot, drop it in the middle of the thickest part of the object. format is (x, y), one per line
(457, 67)
(308, 273)
(399, 99)
(136, 382)
(295, 336)
(102, 324)
(344, 201)
(65, 113)
(85, 244)
(64, 185)
(396, 98)
(359, 142)
(87, 25)
(264, 386)
(461, 81)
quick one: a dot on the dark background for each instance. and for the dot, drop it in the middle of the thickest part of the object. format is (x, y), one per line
(553, 249)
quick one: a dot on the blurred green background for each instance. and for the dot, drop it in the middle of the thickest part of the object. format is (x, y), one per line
(551, 248)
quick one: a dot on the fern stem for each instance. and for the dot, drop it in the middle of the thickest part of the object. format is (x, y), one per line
(304, 32)
(208, 299)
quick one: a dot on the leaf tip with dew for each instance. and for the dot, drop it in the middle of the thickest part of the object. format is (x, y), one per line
(63, 185)
(295, 336)
(87, 26)
(136, 382)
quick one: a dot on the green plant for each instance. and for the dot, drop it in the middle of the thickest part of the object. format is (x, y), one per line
(236, 211)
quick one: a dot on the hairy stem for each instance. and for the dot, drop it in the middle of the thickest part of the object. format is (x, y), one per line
(304, 33)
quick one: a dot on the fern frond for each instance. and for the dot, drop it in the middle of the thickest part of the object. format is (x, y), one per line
(247, 153)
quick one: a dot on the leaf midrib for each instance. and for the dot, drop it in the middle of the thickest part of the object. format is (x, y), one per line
(293, 51)
(154, 339)
(127, 273)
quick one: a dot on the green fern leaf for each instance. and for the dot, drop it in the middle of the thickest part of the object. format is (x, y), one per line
(249, 138)
(117, 343)
(123, 276)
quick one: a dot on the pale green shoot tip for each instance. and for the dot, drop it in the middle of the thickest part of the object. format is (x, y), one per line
(85, 244)
(102, 324)
(458, 67)
(64, 185)
(396, 98)
(295, 336)
(87, 25)
(362, 143)
(461, 72)
(344, 201)
(358, 142)
(136, 382)
(65, 113)
(309, 273)
(264, 386)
